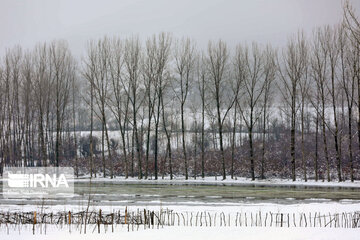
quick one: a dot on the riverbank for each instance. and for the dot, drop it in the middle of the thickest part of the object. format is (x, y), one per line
(228, 181)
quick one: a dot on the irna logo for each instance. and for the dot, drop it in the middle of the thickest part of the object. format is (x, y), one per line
(37, 180)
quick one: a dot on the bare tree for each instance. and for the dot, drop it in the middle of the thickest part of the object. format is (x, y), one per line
(97, 72)
(88, 73)
(350, 70)
(27, 96)
(269, 78)
(2, 118)
(304, 93)
(185, 63)
(352, 23)
(63, 73)
(219, 76)
(291, 71)
(135, 91)
(149, 71)
(167, 119)
(42, 85)
(121, 86)
(250, 68)
(202, 82)
(74, 89)
(331, 43)
(318, 73)
(158, 51)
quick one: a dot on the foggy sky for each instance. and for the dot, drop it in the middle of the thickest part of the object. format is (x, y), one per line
(77, 21)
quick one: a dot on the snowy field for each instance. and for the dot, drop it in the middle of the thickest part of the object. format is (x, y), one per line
(199, 233)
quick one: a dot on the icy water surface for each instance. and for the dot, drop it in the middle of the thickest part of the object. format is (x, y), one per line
(128, 194)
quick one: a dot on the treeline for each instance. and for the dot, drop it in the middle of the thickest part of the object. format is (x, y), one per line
(255, 111)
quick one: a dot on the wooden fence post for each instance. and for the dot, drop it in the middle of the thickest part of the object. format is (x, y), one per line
(125, 215)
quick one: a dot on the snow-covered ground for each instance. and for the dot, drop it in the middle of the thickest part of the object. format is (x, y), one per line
(182, 233)
(323, 206)
(228, 181)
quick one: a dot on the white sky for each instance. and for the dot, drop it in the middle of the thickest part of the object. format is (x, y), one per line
(27, 22)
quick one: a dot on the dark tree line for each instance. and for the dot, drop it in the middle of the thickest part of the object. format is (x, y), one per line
(166, 107)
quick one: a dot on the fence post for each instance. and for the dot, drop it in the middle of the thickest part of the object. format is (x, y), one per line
(125, 215)
(144, 216)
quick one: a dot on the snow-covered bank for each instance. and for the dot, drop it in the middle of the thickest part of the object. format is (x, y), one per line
(198, 233)
(228, 181)
(227, 208)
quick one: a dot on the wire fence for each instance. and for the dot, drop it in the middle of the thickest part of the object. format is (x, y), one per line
(143, 218)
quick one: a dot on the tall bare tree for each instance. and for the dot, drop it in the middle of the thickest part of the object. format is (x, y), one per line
(42, 85)
(250, 67)
(291, 71)
(350, 71)
(158, 49)
(135, 91)
(352, 23)
(97, 72)
(304, 86)
(202, 82)
(63, 70)
(218, 84)
(319, 75)
(331, 43)
(269, 78)
(184, 67)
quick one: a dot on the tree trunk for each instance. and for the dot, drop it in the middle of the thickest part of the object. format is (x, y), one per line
(233, 145)
(183, 141)
(316, 147)
(292, 132)
(221, 139)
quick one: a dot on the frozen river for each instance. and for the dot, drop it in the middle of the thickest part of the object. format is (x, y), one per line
(110, 195)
